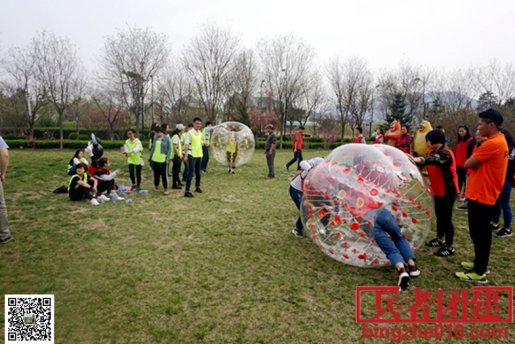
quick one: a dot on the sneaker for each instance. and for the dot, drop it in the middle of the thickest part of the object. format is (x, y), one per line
(233, 171)
(435, 243)
(503, 233)
(166, 192)
(116, 197)
(463, 198)
(445, 251)
(199, 190)
(188, 194)
(413, 271)
(469, 266)
(472, 277)
(495, 226)
(156, 189)
(464, 206)
(6, 240)
(286, 168)
(403, 280)
(298, 233)
(94, 201)
(102, 198)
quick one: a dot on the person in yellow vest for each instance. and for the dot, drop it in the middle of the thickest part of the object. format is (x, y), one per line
(176, 156)
(193, 156)
(132, 150)
(82, 186)
(206, 135)
(183, 143)
(159, 156)
(232, 151)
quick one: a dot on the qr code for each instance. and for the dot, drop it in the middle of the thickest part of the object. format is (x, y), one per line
(29, 319)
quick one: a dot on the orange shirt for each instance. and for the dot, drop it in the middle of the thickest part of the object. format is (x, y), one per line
(486, 182)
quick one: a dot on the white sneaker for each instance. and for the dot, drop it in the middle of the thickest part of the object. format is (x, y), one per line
(102, 198)
(116, 197)
(94, 201)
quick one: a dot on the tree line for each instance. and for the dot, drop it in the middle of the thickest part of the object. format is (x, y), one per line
(138, 80)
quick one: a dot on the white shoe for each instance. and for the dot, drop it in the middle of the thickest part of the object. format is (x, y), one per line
(102, 198)
(116, 197)
(94, 201)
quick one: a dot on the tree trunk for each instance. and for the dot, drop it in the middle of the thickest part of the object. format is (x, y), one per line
(61, 135)
(343, 132)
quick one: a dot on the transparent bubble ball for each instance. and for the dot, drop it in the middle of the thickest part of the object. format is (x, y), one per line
(232, 142)
(344, 192)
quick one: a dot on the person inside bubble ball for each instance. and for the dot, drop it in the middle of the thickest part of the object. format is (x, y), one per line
(296, 190)
(388, 236)
(232, 150)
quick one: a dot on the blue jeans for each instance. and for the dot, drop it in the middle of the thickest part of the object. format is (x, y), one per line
(297, 155)
(396, 249)
(503, 203)
(193, 167)
(296, 196)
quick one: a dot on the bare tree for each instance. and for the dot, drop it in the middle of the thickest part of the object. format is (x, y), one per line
(496, 79)
(174, 91)
(313, 96)
(131, 59)
(208, 60)
(21, 69)
(59, 71)
(286, 62)
(110, 103)
(350, 82)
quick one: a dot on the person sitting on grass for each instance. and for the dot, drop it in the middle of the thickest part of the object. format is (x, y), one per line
(82, 186)
(106, 179)
(440, 164)
(297, 190)
(77, 158)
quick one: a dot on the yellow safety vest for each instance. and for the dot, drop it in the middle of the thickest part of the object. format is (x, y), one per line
(195, 144)
(231, 145)
(157, 156)
(179, 146)
(133, 158)
(84, 179)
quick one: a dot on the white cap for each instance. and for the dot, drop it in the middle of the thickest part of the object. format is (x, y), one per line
(179, 126)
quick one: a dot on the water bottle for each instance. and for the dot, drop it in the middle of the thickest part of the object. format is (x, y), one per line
(143, 192)
(121, 189)
(128, 201)
(113, 197)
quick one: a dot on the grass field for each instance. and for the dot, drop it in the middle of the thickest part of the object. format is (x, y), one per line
(222, 267)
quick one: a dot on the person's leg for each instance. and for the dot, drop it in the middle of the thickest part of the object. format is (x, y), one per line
(189, 172)
(439, 212)
(205, 158)
(299, 155)
(505, 205)
(388, 224)
(296, 196)
(292, 161)
(138, 175)
(156, 167)
(462, 174)
(176, 168)
(164, 175)
(197, 172)
(447, 218)
(4, 223)
(384, 242)
(132, 175)
(481, 234)
(272, 168)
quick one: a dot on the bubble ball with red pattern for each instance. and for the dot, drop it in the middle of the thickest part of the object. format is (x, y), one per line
(342, 194)
(232, 143)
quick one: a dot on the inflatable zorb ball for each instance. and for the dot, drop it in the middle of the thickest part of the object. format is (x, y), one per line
(345, 192)
(232, 143)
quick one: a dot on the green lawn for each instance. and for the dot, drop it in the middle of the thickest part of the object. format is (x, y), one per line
(222, 267)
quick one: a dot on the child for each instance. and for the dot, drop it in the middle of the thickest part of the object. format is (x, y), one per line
(441, 168)
(359, 138)
(105, 177)
(297, 189)
(77, 158)
(82, 186)
(159, 157)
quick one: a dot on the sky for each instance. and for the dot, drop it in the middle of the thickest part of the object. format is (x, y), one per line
(444, 35)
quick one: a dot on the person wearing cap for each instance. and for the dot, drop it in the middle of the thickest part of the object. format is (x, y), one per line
(487, 166)
(5, 233)
(193, 156)
(176, 156)
(159, 156)
(440, 164)
(206, 136)
(296, 144)
(270, 150)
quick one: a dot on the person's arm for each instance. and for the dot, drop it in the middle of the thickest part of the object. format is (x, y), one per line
(271, 149)
(187, 140)
(168, 148)
(440, 158)
(471, 162)
(107, 177)
(482, 154)
(138, 148)
(4, 156)
(470, 148)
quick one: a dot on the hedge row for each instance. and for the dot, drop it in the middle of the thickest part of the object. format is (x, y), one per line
(75, 144)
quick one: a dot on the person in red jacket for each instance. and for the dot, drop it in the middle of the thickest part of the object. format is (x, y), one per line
(440, 164)
(296, 144)
(404, 141)
(464, 147)
(359, 138)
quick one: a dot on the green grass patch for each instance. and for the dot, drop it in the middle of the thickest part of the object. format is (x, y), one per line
(222, 267)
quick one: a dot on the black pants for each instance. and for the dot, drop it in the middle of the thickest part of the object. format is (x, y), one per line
(443, 211)
(479, 226)
(297, 156)
(80, 192)
(270, 162)
(193, 167)
(205, 158)
(176, 171)
(160, 172)
(135, 174)
(105, 186)
(231, 159)
(462, 178)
